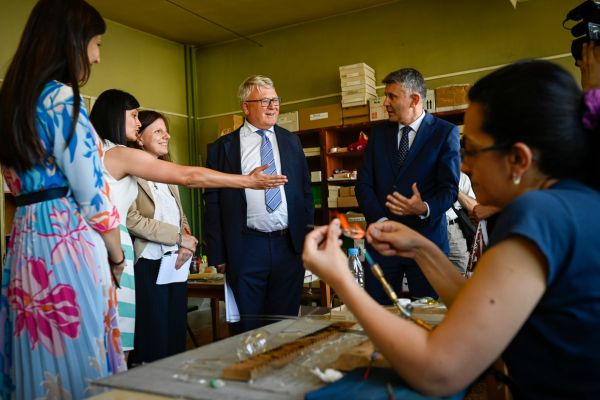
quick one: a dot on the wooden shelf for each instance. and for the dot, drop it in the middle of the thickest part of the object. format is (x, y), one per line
(345, 154)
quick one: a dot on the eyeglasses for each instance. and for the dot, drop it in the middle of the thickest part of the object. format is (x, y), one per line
(464, 153)
(266, 102)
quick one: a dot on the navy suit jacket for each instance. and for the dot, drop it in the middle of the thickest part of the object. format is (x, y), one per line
(433, 162)
(225, 209)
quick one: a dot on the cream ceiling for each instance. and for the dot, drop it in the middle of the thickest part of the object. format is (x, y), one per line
(206, 22)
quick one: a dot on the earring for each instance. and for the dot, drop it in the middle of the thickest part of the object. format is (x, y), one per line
(516, 179)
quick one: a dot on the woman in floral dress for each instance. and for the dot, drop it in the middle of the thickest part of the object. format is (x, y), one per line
(58, 302)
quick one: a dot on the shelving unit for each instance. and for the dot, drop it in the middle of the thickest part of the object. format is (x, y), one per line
(327, 162)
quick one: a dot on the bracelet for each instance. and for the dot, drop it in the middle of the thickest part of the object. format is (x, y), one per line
(112, 263)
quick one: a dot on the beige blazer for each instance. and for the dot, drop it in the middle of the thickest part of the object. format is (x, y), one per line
(142, 225)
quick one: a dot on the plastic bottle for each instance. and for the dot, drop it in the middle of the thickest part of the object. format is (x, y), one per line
(355, 266)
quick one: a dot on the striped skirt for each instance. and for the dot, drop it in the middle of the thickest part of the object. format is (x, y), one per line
(126, 294)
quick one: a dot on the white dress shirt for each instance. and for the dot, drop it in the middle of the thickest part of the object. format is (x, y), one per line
(257, 216)
(413, 132)
(464, 186)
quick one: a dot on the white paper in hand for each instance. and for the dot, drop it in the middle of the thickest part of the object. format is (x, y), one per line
(167, 272)
(232, 313)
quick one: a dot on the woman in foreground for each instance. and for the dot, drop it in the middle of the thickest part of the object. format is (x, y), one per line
(58, 305)
(535, 296)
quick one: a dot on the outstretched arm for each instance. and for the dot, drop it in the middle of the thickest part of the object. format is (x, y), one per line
(122, 161)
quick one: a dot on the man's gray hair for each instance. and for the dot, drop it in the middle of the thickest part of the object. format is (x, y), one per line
(410, 79)
(251, 82)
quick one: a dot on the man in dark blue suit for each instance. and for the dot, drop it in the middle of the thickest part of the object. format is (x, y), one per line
(258, 235)
(410, 174)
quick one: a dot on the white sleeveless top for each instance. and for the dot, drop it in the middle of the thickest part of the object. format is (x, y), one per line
(123, 192)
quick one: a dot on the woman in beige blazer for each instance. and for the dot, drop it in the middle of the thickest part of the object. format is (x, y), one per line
(158, 225)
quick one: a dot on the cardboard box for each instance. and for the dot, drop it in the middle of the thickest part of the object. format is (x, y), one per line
(368, 92)
(360, 86)
(377, 111)
(311, 151)
(289, 121)
(451, 97)
(315, 176)
(320, 117)
(358, 80)
(356, 103)
(354, 70)
(355, 115)
(359, 119)
(347, 201)
(355, 111)
(334, 191)
(229, 123)
(346, 191)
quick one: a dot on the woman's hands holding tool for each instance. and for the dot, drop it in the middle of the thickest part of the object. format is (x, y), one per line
(323, 256)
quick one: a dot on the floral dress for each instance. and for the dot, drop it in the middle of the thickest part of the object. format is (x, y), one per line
(58, 309)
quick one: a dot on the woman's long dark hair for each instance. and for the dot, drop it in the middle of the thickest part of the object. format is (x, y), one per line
(108, 114)
(540, 104)
(53, 47)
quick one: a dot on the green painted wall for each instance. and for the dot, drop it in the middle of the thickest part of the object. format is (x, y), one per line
(149, 67)
(435, 36)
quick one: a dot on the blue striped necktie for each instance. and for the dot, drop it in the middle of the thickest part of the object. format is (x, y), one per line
(272, 195)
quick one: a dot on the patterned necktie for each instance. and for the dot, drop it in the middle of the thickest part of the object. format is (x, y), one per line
(272, 195)
(403, 147)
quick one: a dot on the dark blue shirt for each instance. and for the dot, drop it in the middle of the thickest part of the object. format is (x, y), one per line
(556, 354)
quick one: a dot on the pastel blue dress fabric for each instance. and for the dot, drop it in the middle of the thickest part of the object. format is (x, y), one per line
(123, 193)
(58, 303)
(556, 354)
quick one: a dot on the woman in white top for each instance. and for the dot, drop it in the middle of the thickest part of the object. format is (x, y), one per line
(115, 118)
(155, 220)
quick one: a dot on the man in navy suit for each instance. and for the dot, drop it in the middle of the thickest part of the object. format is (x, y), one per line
(258, 235)
(410, 174)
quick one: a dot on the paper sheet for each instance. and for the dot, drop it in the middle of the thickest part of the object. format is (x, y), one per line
(167, 272)
(232, 314)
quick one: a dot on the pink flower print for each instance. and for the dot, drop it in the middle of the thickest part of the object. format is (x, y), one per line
(46, 313)
(71, 244)
(13, 181)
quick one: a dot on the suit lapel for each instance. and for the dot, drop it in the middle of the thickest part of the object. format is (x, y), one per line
(233, 157)
(283, 144)
(391, 146)
(284, 148)
(421, 138)
(146, 188)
